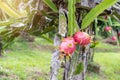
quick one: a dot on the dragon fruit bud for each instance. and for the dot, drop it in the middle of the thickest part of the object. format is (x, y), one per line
(67, 45)
(82, 38)
(106, 17)
(114, 38)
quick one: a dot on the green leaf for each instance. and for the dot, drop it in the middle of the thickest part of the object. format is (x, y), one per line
(79, 68)
(46, 38)
(51, 5)
(96, 11)
(116, 14)
(118, 25)
(94, 44)
(9, 22)
(102, 19)
(62, 23)
(77, 1)
(2, 27)
(10, 39)
(76, 26)
(48, 29)
(110, 21)
(39, 33)
(46, 14)
(8, 10)
(71, 17)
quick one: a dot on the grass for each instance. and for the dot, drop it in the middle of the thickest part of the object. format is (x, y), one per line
(102, 47)
(31, 61)
(108, 57)
(110, 66)
(23, 61)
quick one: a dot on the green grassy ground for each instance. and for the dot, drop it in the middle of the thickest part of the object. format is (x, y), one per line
(108, 57)
(26, 61)
(31, 61)
(110, 66)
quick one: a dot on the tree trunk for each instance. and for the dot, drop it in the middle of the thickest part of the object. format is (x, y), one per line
(55, 62)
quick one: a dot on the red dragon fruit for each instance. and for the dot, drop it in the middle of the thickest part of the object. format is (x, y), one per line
(118, 33)
(114, 38)
(107, 28)
(82, 38)
(68, 45)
